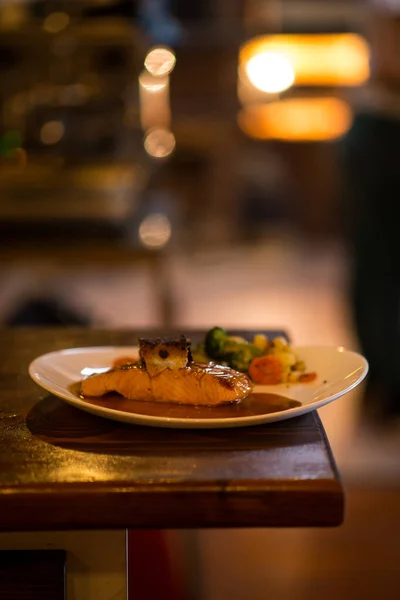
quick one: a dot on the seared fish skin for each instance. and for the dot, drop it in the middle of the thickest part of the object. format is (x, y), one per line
(207, 385)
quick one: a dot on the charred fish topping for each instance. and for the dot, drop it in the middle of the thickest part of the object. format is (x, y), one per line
(181, 342)
(165, 353)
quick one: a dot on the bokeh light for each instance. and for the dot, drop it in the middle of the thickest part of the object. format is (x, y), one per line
(297, 119)
(55, 22)
(151, 83)
(160, 61)
(155, 231)
(270, 72)
(159, 142)
(320, 59)
(52, 132)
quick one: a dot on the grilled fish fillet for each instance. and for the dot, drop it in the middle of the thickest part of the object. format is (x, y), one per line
(196, 384)
(166, 374)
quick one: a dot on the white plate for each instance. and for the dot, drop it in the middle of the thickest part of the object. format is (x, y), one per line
(339, 371)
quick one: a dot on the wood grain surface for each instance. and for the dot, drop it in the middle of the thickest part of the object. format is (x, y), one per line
(61, 468)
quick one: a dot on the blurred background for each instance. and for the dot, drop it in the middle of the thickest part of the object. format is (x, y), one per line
(172, 163)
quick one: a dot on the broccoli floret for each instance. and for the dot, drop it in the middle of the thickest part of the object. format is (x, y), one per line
(242, 357)
(232, 351)
(215, 342)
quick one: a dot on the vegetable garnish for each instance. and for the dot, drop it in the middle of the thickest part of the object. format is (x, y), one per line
(267, 362)
(266, 370)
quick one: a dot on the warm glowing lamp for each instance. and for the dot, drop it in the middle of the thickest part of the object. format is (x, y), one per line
(297, 119)
(315, 60)
(270, 72)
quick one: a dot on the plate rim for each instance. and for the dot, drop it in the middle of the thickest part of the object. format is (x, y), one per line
(183, 423)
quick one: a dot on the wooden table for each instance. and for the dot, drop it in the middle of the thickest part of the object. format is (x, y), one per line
(62, 469)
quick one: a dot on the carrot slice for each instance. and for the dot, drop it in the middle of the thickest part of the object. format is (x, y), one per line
(266, 370)
(307, 377)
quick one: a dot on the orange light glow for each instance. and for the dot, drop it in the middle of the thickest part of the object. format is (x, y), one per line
(316, 59)
(159, 142)
(151, 83)
(155, 110)
(297, 119)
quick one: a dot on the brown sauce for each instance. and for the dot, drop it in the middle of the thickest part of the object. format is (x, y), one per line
(254, 404)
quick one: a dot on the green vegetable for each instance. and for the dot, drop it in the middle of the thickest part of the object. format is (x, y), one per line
(233, 351)
(243, 355)
(215, 342)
